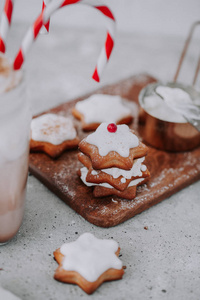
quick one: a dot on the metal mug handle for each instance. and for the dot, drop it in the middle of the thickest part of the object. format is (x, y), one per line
(187, 42)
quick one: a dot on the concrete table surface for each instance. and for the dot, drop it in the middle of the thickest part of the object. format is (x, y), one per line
(162, 262)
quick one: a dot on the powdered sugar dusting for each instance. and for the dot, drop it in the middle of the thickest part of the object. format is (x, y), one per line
(61, 181)
(52, 128)
(163, 183)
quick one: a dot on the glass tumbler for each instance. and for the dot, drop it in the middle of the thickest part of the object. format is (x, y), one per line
(15, 118)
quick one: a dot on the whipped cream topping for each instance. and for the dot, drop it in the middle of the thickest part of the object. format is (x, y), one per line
(120, 141)
(174, 96)
(9, 78)
(84, 172)
(179, 100)
(15, 136)
(52, 128)
(100, 108)
(90, 256)
(15, 118)
(171, 107)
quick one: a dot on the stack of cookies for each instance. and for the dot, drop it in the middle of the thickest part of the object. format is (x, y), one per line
(113, 159)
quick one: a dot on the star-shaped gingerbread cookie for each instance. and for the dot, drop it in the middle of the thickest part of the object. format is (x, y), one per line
(107, 149)
(100, 108)
(88, 262)
(53, 134)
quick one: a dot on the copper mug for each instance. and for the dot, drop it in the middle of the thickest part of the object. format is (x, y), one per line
(162, 134)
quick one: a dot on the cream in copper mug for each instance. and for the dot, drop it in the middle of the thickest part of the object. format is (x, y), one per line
(162, 125)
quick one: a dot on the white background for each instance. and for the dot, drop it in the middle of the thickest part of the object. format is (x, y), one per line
(59, 68)
(171, 17)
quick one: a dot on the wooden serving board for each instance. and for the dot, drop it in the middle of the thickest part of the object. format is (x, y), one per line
(170, 172)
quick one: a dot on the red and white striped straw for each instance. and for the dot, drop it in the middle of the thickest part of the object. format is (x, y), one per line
(5, 23)
(45, 16)
(46, 26)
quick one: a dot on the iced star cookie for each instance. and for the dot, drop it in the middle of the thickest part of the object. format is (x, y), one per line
(108, 149)
(100, 108)
(52, 134)
(88, 262)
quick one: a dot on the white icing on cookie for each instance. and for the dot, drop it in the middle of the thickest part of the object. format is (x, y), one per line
(120, 141)
(90, 256)
(100, 108)
(143, 168)
(53, 129)
(135, 182)
(84, 172)
(135, 170)
(94, 172)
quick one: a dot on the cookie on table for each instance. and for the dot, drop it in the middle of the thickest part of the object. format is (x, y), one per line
(100, 108)
(88, 262)
(53, 134)
(113, 149)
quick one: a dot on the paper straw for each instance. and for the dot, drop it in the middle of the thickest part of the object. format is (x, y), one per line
(43, 18)
(5, 23)
(45, 28)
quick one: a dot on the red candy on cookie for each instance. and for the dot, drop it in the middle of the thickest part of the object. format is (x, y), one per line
(112, 127)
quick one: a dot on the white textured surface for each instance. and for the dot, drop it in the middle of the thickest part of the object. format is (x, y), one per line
(162, 262)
